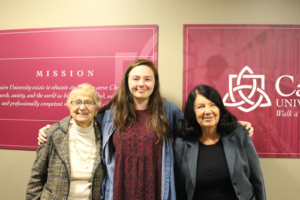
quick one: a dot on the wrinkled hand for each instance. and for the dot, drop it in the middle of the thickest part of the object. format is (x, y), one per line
(248, 127)
(42, 135)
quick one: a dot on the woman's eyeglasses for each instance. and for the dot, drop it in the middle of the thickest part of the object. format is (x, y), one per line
(86, 103)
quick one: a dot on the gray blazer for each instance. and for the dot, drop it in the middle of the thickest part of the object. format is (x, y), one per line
(242, 160)
(51, 171)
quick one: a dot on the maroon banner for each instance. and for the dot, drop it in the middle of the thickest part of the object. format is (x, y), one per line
(256, 69)
(39, 67)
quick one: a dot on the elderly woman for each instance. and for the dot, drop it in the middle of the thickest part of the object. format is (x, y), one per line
(68, 165)
(214, 156)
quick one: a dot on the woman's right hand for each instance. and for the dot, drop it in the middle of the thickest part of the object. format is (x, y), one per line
(42, 135)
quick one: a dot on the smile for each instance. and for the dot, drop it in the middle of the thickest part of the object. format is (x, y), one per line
(82, 114)
(141, 90)
(208, 118)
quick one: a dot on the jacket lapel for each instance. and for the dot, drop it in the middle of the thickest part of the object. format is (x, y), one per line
(230, 149)
(98, 148)
(61, 142)
(107, 130)
(192, 159)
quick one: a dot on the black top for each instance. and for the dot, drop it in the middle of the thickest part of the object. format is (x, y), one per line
(213, 180)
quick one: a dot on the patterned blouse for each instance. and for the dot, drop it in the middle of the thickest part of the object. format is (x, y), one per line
(138, 162)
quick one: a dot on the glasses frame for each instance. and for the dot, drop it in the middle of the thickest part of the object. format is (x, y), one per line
(83, 102)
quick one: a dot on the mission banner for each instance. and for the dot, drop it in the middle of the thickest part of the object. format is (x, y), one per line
(39, 67)
(256, 69)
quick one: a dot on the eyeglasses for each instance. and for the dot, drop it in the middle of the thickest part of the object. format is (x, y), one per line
(86, 103)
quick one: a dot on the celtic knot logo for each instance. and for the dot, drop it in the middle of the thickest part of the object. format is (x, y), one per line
(254, 88)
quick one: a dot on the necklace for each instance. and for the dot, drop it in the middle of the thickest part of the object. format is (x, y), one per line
(76, 130)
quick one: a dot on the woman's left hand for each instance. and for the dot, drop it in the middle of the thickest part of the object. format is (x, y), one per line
(248, 127)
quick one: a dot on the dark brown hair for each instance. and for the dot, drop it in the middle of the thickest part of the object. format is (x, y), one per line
(124, 112)
(189, 126)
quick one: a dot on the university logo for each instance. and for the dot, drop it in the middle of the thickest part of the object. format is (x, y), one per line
(247, 104)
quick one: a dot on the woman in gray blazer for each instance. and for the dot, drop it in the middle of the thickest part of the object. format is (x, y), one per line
(69, 165)
(214, 157)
